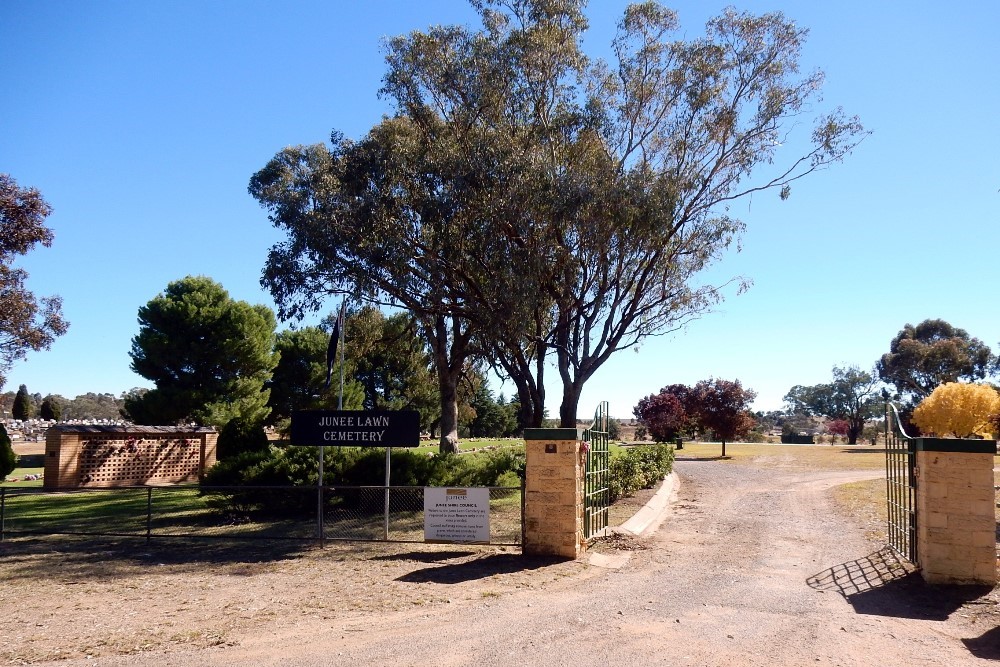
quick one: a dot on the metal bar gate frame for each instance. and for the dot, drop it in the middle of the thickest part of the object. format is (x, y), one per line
(901, 484)
(596, 494)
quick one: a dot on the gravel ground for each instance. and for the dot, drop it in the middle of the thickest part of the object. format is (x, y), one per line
(754, 566)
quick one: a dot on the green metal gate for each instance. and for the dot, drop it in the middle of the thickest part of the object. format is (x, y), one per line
(901, 483)
(596, 495)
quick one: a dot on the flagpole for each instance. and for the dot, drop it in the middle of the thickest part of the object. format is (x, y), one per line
(335, 340)
(340, 400)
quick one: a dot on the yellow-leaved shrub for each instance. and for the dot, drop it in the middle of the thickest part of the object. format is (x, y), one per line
(959, 409)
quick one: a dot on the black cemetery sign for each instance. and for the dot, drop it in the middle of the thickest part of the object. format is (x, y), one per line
(356, 428)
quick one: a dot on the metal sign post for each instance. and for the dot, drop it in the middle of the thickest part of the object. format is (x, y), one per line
(386, 493)
(356, 428)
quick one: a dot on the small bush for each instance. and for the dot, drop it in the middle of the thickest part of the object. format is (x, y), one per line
(8, 459)
(346, 467)
(638, 467)
(754, 437)
(239, 436)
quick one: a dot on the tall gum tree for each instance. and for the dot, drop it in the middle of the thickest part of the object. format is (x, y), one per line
(632, 165)
(527, 201)
(925, 356)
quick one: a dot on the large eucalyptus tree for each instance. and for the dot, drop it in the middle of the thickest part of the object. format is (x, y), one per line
(526, 200)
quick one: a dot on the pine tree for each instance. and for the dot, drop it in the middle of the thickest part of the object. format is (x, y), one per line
(50, 409)
(23, 407)
(8, 459)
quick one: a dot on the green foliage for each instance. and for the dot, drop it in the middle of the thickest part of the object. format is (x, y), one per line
(493, 419)
(349, 467)
(614, 429)
(51, 409)
(24, 408)
(208, 355)
(96, 406)
(639, 467)
(26, 322)
(240, 435)
(474, 205)
(755, 436)
(934, 352)
(391, 362)
(852, 396)
(8, 459)
(297, 380)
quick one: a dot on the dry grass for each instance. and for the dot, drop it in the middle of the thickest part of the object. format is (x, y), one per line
(866, 503)
(806, 457)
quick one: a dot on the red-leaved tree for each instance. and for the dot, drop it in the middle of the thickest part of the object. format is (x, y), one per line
(722, 406)
(839, 427)
(664, 414)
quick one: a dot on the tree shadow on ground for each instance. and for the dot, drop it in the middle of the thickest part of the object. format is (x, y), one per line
(479, 568)
(879, 584)
(867, 450)
(108, 558)
(702, 459)
(426, 556)
(986, 645)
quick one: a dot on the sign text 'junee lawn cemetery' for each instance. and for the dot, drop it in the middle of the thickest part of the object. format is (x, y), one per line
(356, 428)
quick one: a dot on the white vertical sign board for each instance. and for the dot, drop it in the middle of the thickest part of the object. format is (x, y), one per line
(456, 515)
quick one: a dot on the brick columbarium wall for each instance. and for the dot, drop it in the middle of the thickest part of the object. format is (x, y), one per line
(109, 456)
(553, 492)
(955, 502)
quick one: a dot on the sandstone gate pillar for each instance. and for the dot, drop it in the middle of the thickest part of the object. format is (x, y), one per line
(956, 504)
(555, 464)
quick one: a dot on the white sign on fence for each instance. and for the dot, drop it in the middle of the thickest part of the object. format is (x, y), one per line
(457, 515)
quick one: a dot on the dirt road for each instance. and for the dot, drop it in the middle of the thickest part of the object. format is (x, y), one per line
(753, 567)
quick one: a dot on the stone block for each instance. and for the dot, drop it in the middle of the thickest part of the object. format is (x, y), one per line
(984, 539)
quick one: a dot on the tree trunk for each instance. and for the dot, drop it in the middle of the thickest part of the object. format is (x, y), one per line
(448, 386)
(570, 405)
(723, 447)
(857, 425)
(530, 390)
(450, 347)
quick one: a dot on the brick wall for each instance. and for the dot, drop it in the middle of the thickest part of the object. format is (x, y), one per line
(108, 456)
(553, 488)
(955, 502)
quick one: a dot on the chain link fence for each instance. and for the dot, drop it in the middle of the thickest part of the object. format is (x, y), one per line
(361, 513)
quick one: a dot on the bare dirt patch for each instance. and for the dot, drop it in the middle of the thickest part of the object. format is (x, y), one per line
(757, 565)
(72, 599)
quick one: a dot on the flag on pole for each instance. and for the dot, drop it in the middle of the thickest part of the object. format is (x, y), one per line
(331, 350)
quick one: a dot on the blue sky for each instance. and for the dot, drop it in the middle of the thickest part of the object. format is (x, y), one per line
(142, 122)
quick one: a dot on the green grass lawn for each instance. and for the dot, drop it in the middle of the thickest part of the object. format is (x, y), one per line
(19, 474)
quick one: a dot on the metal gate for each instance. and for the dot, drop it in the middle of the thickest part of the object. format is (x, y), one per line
(900, 454)
(596, 495)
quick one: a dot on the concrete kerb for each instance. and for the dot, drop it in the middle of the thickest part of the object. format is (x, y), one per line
(642, 523)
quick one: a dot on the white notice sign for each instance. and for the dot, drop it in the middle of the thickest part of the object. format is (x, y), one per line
(457, 515)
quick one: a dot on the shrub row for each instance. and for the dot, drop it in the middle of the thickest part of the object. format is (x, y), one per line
(639, 467)
(348, 466)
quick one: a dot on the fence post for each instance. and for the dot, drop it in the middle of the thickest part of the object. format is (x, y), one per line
(149, 514)
(524, 493)
(386, 499)
(320, 523)
(3, 508)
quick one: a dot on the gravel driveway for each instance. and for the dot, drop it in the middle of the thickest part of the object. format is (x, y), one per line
(753, 566)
